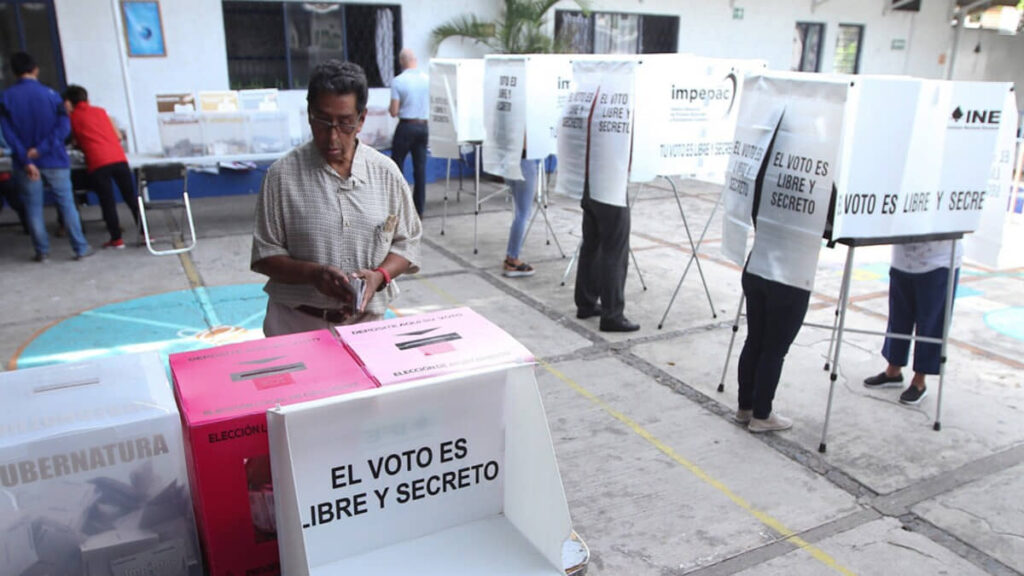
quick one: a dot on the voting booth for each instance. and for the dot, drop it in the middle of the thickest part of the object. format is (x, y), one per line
(859, 161)
(523, 99)
(224, 394)
(456, 104)
(92, 472)
(448, 469)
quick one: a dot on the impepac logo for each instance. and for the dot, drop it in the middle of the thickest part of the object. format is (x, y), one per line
(722, 95)
(969, 119)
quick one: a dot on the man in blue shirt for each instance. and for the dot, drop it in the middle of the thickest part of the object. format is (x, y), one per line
(410, 102)
(35, 124)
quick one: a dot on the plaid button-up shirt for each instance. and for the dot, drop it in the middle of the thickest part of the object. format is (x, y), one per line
(305, 210)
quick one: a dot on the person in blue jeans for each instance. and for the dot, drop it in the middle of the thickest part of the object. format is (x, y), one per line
(522, 198)
(8, 193)
(35, 125)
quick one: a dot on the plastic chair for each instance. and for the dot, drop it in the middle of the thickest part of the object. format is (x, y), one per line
(162, 173)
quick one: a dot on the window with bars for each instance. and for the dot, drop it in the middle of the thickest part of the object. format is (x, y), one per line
(30, 26)
(615, 33)
(807, 40)
(847, 58)
(278, 44)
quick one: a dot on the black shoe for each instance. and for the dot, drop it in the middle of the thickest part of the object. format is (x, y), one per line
(880, 380)
(913, 395)
(620, 325)
(41, 257)
(584, 313)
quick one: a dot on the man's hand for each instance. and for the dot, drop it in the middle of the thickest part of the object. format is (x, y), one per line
(373, 280)
(333, 282)
(32, 153)
(32, 171)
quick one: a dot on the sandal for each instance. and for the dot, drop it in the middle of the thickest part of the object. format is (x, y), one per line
(513, 270)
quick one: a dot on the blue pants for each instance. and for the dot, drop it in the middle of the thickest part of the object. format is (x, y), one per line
(412, 137)
(917, 300)
(59, 181)
(775, 313)
(522, 196)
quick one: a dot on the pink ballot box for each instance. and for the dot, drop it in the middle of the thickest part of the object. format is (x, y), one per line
(93, 479)
(224, 394)
(428, 345)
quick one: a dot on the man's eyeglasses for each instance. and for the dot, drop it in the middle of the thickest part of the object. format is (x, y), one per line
(328, 126)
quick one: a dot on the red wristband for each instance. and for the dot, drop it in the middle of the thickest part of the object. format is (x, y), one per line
(387, 277)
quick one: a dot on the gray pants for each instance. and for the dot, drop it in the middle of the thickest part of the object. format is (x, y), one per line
(282, 319)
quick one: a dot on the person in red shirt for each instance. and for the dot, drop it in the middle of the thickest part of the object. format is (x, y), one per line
(99, 140)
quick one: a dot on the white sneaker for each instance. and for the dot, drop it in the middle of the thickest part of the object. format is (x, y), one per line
(743, 416)
(774, 422)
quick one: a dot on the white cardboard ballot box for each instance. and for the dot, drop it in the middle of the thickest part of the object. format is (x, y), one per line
(92, 472)
(443, 476)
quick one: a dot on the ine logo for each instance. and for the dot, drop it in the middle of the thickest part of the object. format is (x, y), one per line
(977, 119)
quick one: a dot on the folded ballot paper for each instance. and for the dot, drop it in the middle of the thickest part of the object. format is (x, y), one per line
(224, 394)
(427, 345)
(450, 474)
(92, 472)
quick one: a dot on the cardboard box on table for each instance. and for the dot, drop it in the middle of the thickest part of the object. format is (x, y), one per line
(224, 393)
(450, 474)
(92, 472)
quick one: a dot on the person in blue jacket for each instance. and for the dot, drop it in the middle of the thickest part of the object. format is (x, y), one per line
(35, 125)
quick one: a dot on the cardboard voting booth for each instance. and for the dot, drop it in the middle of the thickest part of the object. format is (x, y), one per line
(92, 472)
(908, 158)
(456, 105)
(686, 114)
(427, 345)
(224, 393)
(453, 473)
(524, 96)
(602, 103)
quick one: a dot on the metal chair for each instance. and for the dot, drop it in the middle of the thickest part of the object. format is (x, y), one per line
(162, 173)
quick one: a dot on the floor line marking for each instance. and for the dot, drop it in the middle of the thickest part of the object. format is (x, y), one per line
(124, 318)
(697, 471)
(764, 518)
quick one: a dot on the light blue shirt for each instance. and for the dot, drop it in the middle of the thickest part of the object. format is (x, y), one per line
(412, 90)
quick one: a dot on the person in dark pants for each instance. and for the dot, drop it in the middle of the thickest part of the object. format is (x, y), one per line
(775, 313)
(410, 103)
(918, 282)
(8, 192)
(100, 141)
(604, 256)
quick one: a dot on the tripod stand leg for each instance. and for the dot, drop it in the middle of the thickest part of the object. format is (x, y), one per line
(572, 262)
(732, 340)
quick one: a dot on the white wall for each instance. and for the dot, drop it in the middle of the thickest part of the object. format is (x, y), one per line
(196, 55)
(196, 58)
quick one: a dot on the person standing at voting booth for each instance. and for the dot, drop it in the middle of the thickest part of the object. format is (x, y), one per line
(522, 199)
(410, 103)
(100, 142)
(918, 283)
(335, 222)
(35, 124)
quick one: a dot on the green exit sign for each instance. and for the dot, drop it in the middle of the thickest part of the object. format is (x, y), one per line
(737, 13)
(899, 44)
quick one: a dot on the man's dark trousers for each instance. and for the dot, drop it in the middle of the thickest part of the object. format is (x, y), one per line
(604, 255)
(412, 136)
